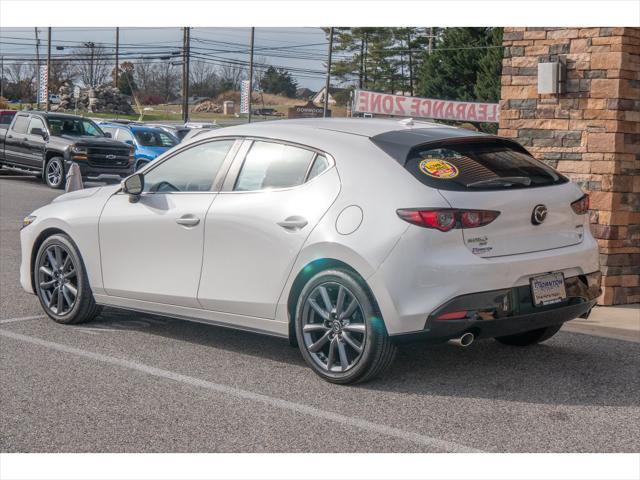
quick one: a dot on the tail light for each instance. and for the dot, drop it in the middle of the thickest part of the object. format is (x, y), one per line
(445, 219)
(581, 206)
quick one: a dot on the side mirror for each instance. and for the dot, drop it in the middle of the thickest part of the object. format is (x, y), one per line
(108, 135)
(39, 132)
(133, 186)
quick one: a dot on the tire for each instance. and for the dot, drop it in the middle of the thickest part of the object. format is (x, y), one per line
(63, 307)
(329, 342)
(54, 173)
(140, 164)
(531, 337)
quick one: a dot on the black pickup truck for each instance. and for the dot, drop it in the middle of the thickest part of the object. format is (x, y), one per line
(46, 144)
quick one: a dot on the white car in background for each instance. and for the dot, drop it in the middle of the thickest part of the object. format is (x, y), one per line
(346, 236)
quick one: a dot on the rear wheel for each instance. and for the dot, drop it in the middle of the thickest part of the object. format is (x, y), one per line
(54, 172)
(531, 337)
(61, 282)
(340, 334)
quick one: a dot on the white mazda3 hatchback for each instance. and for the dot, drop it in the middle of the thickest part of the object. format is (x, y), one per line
(346, 236)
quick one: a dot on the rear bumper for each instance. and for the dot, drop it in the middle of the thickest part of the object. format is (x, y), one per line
(507, 311)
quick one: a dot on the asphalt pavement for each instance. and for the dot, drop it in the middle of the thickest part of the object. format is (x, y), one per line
(129, 382)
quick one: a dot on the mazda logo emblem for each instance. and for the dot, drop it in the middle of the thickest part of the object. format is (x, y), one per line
(539, 214)
(110, 156)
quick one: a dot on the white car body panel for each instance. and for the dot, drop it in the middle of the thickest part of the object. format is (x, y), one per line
(237, 266)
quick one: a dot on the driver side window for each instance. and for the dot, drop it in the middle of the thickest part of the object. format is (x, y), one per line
(191, 170)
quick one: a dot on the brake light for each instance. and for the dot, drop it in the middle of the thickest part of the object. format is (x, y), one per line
(581, 206)
(453, 315)
(445, 219)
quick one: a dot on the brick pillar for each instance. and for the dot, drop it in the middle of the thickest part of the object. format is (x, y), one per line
(591, 133)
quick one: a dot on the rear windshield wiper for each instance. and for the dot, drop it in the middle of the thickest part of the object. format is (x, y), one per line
(500, 181)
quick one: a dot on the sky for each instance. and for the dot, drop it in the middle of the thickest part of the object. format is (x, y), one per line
(302, 51)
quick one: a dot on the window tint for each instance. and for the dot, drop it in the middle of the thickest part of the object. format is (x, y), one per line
(6, 117)
(191, 170)
(273, 165)
(320, 164)
(154, 138)
(35, 123)
(20, 125)
(75, 127)
(124, 135)
(478, 166)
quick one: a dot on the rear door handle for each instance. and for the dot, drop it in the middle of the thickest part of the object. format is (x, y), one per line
(188, 220)
(293, 223)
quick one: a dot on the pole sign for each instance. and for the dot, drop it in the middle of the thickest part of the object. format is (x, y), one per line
(44, 84)
(244, 96)
(401, 106)
(76, 92)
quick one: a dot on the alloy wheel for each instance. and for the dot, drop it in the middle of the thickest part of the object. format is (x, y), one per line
(57, 280)
(54, 172)
(334, 328)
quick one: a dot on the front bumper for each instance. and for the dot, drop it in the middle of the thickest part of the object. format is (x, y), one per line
(507, 311)
(91, 172)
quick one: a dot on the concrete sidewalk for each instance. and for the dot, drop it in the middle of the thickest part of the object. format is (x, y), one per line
(621, 322)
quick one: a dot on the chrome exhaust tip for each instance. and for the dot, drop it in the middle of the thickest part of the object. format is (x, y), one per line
(464, 341)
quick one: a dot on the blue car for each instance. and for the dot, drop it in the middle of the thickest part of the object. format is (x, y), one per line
(149, 142)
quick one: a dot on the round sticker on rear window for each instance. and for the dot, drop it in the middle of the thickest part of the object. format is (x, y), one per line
(438, 169)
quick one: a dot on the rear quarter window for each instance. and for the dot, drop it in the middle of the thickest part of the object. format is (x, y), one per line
(478, 166)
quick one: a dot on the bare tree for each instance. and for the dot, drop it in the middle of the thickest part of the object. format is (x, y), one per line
(92, 64)
(203, 80)
(260, 66)
(231, 75)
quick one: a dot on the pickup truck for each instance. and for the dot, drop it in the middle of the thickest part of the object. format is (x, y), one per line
(47, 143)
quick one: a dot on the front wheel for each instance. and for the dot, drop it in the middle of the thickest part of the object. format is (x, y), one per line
(531, 337)
(61, 282)
(140, 164)
(339, 331)
(54, 173)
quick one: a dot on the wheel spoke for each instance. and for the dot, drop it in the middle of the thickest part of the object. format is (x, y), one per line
(70, 273)
(325, 298)
(66, 262)
(314, 327)
(350, 309)
(47, 284)
(355, 328)
(65, 293)
(331, 356)
(344, 361)
(318, 309)
(60, 305)
(352, 343)
(340, 300)
(72, 289)
(315, 347)
(46, 271)
(58, 253)
(55, 294)
(52, 261)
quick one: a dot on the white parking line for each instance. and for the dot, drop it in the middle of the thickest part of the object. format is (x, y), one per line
(20, 319)
(377, 428)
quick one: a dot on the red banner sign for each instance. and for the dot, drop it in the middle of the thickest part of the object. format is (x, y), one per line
(416, 107)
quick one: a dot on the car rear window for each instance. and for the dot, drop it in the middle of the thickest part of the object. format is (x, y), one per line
(478, 165)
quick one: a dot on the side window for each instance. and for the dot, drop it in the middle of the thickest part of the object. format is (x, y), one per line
(20, 125)
(191, 170)
(110, 130)
(35, 123)
(124, 135)
(320, 164)
(273, 165)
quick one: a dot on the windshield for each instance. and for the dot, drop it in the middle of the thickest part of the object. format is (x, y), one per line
(154, 138)
(478, 166)
(75, 127)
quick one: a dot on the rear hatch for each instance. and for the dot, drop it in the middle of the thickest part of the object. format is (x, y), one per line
(489, 173)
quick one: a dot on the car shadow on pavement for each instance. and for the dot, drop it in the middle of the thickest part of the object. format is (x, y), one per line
(570, 369)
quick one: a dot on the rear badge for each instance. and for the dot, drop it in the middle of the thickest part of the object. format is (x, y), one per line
(438, 169)
(539, 214)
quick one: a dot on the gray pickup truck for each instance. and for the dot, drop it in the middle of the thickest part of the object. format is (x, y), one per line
(47, 143)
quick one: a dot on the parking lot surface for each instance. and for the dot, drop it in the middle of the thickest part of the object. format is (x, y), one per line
(129, 382)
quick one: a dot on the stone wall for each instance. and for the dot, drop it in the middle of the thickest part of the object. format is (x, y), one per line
(591, 132)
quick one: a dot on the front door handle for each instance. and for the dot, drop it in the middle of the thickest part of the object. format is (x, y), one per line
(293, 223)
(188, 220)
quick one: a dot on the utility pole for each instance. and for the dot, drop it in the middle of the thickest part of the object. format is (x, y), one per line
(1, 76)
(115, 71)
(361, 72)
(185, 74)
(91, 46)
(251, 42)
(326, 85)
(37, 71)
(410, 64)
(47, 103)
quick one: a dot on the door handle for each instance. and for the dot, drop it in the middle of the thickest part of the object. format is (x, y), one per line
(293, 223)
(188, 221)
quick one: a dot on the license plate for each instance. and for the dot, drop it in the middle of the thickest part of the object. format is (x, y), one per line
(548, 289)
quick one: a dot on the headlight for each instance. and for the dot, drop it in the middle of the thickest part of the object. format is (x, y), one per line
(26, 221)
(82, 150)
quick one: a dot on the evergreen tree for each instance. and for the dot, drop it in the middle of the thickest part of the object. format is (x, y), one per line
(278, 81)
(126, 81)
(490, 69)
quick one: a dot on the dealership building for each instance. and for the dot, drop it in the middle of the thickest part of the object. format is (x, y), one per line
(571, 96)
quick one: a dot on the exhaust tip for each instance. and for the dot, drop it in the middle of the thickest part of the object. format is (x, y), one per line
(464, 341)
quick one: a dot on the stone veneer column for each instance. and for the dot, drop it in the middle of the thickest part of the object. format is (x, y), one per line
(591, 133)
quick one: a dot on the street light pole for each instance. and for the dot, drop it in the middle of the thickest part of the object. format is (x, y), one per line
(253, 30)
(37, 71)
(115, 72)
(328, 81)
(185, 74)
(47, 103)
